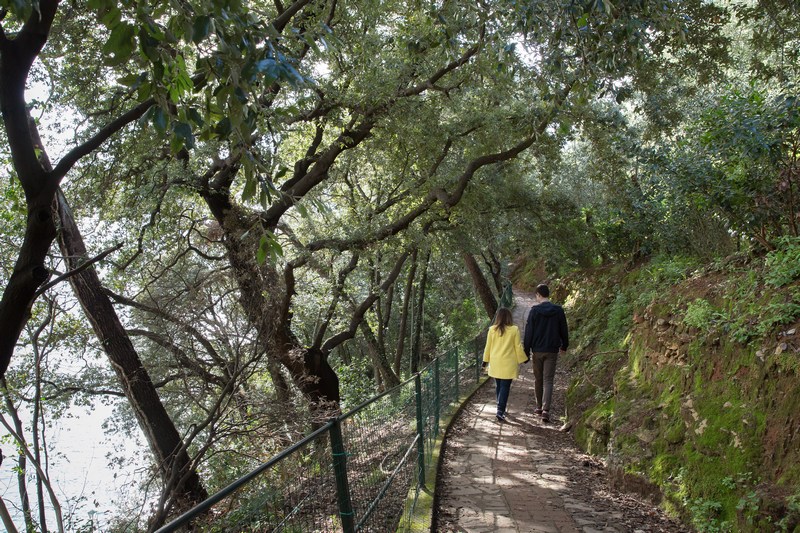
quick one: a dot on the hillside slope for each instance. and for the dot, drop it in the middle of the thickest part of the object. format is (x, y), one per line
(686, 381)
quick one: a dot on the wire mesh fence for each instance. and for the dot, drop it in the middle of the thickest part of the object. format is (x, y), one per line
(361, 471)
(377, 437)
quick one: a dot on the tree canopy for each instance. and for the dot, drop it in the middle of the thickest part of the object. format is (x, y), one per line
(269, 211)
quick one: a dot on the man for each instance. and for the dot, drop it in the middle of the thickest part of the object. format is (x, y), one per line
(545, 338)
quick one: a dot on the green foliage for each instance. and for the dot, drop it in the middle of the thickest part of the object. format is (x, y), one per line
(748, 506)
(702, 315)
(699, 401)
(736, 160)
(706, 516)
(268, 248)
(670, 269)
(750, 308)
(773, 52)
(752, 319)
(792, 519)
(457, 323)
(351, 122)
(356, 383)
(620, 319)
(783, 264)
(12, 214)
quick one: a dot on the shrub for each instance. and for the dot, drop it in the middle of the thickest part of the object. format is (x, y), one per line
(783, 264)
(700, 314)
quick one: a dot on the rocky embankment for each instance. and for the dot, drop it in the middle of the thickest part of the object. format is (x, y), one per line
(689, 397)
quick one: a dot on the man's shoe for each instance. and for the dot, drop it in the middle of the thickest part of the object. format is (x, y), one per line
(501, 417)
(545, 416)
(537, 411)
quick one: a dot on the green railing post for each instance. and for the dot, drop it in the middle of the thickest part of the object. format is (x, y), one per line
(437, 398)
(340, 471)
(455, 359)
(477, 359)
(420, 430)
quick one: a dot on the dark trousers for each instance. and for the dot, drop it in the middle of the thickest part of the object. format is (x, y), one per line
(502, 389)
(544, 370)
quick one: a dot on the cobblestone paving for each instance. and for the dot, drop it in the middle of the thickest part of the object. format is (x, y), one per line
(525, 476)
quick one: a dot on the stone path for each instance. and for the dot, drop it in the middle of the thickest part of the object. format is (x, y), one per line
(525, 476)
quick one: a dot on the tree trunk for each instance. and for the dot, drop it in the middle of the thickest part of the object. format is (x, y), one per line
(16, 57)
(383, 312)
(495, 269)
(416, 344)
(481, 285)
(282, 392)
(401, 335)
(22, 460)
(163, 438)
(262, 295)
(37, 409)
(383, 370)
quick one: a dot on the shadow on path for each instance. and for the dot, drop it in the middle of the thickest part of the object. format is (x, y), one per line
(527, 476)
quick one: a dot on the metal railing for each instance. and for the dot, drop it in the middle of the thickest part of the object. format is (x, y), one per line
(356, 472)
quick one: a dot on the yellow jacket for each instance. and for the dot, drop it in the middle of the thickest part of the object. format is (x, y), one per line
(504, 352)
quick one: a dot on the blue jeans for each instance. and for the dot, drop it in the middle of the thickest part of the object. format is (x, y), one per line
(502, 388)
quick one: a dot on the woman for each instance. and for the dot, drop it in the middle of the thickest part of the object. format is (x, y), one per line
(503, 354)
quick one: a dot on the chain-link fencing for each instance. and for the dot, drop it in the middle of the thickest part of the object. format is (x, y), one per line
(361, 471)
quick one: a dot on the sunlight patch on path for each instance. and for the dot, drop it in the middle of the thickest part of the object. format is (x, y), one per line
(501, 480)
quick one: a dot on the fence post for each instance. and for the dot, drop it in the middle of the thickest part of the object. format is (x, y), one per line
(477, 357)
(420, 430)
(436, 396)
(455, 358)
(340, 471)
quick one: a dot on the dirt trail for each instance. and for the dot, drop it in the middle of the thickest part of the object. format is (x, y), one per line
(527, 476)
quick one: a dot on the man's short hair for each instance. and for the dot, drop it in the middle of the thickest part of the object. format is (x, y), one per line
(543, 290)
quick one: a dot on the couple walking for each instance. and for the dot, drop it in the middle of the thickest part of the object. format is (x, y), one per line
(545, 338)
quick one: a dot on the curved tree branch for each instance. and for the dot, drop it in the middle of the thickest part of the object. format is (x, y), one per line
(280, 22)
(16, 58)
(188, 328)
(350, 137)
(86, 264)
(94, 142)
(363, 307)
(180, 355)
(447, 199)
(337, 293)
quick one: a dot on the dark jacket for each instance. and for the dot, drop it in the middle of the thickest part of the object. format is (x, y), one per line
(546, 330)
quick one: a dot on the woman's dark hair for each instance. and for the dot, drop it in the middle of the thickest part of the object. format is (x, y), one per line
(502, 319)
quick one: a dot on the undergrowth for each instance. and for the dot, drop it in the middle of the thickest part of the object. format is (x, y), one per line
(670, 363)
